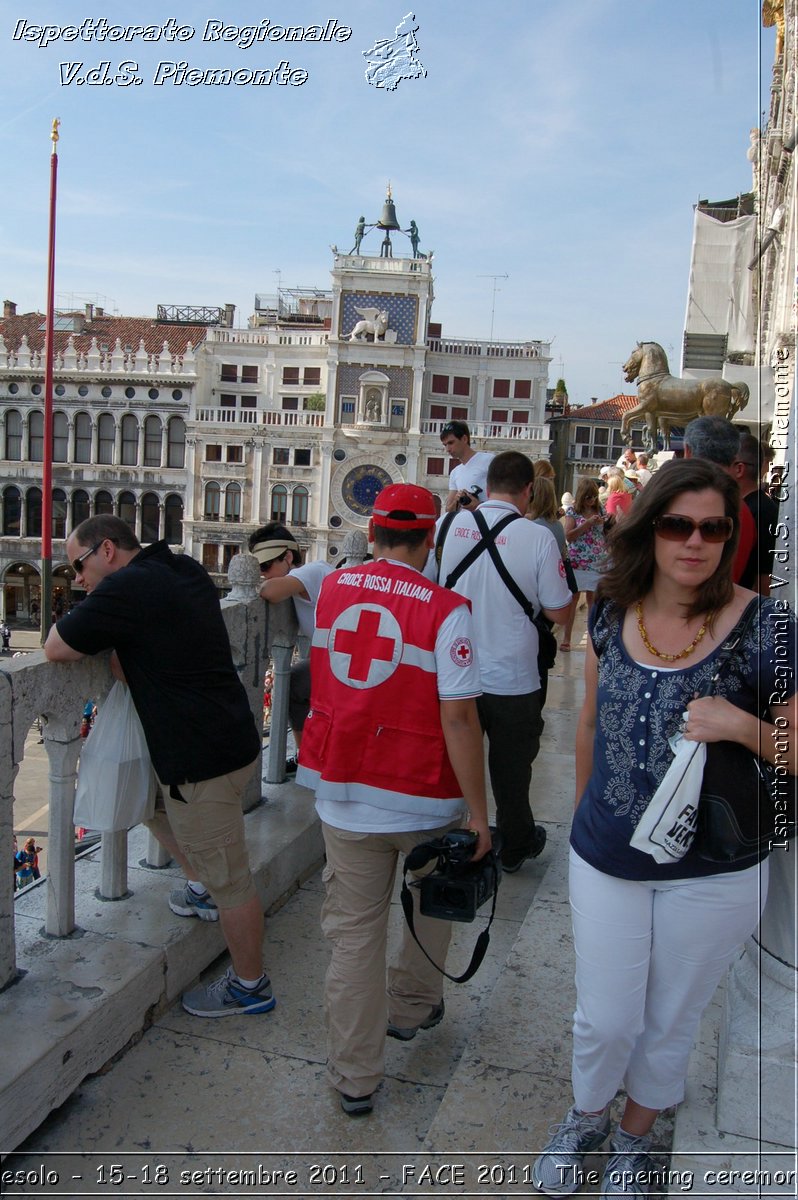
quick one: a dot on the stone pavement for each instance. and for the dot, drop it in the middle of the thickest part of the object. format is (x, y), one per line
(479, 1090)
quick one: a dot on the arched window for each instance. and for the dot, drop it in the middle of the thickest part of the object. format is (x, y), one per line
(35, 443)
(299, 506)
(279, 502)
(60, 437)
(173, 520)
(103, 504)
(232, 502)
(80, 507)
(130, 441)
(59, 513)
(152, 442)
(12, 511)
(82, 438)
(126, 509)
(150, 517)
(33, 512)
(106, 434)
(176, 443)
(212, 495)
(13, 435)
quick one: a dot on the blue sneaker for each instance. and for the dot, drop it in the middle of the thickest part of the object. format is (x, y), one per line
(187, 903)
(225, 997)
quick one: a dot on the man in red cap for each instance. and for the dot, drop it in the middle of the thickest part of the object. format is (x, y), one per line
(393, 749)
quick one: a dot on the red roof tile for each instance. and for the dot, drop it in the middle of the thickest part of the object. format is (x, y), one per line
(607, 410)
(129, 330)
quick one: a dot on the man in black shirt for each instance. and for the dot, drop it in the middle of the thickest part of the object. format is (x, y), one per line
(160, 614)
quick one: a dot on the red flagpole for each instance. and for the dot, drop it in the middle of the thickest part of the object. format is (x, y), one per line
(47, 456)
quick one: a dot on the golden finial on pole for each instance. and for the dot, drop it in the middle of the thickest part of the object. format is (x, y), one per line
(54, 133)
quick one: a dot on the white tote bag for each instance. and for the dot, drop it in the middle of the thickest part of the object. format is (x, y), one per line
(116, 782)
(667, 827)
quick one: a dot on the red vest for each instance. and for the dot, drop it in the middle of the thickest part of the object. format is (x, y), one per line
(375, 711)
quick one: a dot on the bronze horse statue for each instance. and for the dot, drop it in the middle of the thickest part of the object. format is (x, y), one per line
(665, 400)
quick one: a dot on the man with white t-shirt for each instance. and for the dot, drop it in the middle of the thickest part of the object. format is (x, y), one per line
(468, 480)
(392, 748)
(507, 640)
(285, 576)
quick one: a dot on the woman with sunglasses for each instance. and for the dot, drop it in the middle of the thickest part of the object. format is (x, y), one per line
(652, 941)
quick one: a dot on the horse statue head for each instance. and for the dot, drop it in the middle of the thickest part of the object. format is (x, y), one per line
(648, 358)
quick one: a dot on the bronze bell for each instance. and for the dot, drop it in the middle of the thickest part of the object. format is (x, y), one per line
(388, 215)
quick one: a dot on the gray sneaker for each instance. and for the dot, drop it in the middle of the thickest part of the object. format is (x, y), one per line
(225, 997)
(558, 1170)
(186, 903)
(405, 1034)
(630, 1170)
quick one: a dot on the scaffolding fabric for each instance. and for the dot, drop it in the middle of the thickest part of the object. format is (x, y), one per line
(720, 298)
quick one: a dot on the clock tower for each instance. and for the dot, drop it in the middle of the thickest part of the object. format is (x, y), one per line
(375, 368)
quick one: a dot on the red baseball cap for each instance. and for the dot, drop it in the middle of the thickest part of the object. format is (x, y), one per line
(404, 506)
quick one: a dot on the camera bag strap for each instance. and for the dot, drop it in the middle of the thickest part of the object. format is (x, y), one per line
(480, 949)
(487, 543)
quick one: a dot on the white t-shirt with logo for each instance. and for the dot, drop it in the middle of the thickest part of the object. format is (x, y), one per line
(507, 641)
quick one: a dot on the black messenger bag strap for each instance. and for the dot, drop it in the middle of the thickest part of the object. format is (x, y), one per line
(485, 544)
(499, 563)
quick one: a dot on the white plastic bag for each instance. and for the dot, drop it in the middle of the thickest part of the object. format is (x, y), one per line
(116, 782)
(667, 827)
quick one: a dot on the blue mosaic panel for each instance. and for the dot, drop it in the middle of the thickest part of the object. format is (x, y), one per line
(401, 378)
(401, 311)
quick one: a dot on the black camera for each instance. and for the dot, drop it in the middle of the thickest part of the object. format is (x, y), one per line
(474, 493)
(457, 887)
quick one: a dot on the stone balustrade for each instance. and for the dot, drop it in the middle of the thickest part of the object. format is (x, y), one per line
(493, 429)
(90, 952)
(266, 336)
(487, 349)
(116, 361)
(255, 416)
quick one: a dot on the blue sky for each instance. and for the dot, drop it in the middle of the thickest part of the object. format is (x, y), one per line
(561, 144)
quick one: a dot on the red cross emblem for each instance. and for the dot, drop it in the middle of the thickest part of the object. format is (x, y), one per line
(462, 652)
(365, 645)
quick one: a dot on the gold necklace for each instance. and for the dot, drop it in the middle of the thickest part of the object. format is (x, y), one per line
(658, 653)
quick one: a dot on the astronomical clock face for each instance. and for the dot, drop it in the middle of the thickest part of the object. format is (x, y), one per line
(360, 487)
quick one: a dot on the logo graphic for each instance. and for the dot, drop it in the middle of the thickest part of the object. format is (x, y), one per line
(365, 646)
(390, 60)
(462, 652)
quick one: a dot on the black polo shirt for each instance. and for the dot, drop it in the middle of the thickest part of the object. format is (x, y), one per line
(161, 614)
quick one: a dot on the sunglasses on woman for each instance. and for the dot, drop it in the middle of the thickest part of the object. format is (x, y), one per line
(675, 528)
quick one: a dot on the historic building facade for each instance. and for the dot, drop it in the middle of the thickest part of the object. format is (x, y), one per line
(123, 391)
(330, 395)
(195, 431)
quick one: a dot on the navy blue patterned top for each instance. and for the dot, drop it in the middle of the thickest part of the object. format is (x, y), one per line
(640, 708)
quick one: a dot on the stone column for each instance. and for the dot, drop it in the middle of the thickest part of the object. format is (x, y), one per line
(757, 1049)
(757, 1065)
(245, 617)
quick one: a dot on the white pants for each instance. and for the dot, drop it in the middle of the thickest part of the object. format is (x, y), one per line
(649, 956)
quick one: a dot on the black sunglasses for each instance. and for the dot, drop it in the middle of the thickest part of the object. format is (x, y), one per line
(675, 528)
(77, 563)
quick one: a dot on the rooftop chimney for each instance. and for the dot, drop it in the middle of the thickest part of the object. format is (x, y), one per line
(89, 312)
(229, 315)
(99, 312)
(9, 308)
